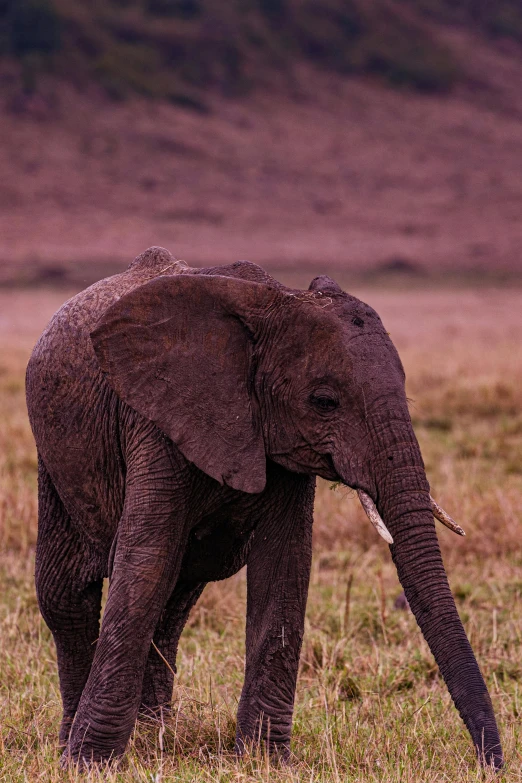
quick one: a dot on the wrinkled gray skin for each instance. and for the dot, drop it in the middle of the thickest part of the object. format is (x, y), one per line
(181, 416)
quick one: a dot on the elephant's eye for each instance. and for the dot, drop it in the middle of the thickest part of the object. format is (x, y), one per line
(324, 402)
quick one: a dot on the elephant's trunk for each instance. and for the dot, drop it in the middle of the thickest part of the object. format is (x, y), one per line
(403, 500)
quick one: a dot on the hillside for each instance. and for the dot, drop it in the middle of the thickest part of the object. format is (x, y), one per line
(121, 126)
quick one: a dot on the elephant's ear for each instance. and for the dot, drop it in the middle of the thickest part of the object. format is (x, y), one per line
(178, 350)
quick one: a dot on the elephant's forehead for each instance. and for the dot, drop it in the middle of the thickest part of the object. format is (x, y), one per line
(332, 336)
(331, 320)
(349, 309)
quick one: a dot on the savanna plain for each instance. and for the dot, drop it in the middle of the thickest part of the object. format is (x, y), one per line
(371, 705)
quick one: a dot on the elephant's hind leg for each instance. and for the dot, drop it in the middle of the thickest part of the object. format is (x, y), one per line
(158, 681)
(69, 597)
(151, 539)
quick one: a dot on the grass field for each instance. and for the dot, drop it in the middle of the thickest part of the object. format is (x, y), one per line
(370, 704)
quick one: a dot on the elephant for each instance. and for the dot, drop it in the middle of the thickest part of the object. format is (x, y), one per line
(181, 417)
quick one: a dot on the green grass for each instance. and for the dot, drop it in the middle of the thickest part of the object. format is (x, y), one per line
(370, 705)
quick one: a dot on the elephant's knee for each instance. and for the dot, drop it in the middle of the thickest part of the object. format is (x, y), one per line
(50, 598)
(66, 606)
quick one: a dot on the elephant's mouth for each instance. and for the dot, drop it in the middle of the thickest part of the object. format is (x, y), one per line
(375, 518)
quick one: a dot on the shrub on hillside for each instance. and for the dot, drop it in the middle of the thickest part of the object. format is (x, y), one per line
(186, 9)
(379, 39)
(30, 26)
(493, 17)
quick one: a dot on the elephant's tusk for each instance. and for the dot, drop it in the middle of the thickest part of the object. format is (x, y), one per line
(441, 515)
(373, 515)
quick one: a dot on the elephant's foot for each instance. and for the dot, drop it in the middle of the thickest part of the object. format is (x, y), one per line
(156, 713)
(86, 756)
(254, 743)
(96, 739)
(279, 753)
(65, 729)
(156, 693)
(264, 724)
(87, 761)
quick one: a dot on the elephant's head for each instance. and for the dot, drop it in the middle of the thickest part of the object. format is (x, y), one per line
(236, 371)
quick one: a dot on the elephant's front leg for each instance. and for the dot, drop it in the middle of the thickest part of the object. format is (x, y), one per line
(150, 541)
(278, 572)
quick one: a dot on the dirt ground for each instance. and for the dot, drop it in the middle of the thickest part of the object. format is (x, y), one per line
(345, 175)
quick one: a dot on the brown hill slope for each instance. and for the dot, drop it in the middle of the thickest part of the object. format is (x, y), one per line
(344, 175)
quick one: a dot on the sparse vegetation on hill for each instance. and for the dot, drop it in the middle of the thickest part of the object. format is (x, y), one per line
(176, 49)
(313, 161)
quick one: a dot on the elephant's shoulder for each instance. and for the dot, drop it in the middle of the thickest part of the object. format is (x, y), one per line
(80, 314)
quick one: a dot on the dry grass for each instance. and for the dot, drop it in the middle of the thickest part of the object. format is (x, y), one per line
(370, 703)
